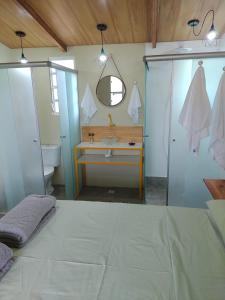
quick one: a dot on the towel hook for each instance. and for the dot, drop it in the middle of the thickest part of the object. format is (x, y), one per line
(200, 62)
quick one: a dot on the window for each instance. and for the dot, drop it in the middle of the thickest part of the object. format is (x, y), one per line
(54, 89)
(116, 90)
(69, 63)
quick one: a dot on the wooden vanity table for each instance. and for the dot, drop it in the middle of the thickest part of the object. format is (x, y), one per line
(81, 158)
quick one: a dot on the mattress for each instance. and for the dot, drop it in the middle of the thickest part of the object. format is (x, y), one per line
(111, 251)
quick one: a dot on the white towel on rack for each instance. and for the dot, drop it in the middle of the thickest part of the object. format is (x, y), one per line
(217, 141)
(134, 104)
(196, 111)
(88, 105)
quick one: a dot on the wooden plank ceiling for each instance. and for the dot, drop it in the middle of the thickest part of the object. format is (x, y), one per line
(65, 23)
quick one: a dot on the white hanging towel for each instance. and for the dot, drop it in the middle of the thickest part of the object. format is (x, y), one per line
(196, 111)
(88, 105)
(217, 141)
(134, 104)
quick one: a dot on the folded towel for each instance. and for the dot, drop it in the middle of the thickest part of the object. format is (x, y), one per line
(6, 259)
(134, 105)
(196, 111)
(88, 105)
(18, 225)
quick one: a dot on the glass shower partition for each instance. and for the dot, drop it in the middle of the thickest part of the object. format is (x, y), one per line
(157, 117)
(21, 169)
(69, 124)
(186, 169)
(166, 144)
(21, 164)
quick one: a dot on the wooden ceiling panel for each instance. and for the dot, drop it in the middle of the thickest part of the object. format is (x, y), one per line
(13, 17)
(69, 21)
(73, 22)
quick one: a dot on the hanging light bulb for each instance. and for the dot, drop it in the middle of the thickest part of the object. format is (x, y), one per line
(102, 56)
(212, 33)
(21, 35)
(23, 59)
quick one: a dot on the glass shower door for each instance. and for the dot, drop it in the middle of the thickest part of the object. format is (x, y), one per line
(186, 170)
(157, 116)
(21, 169)
(69, 124)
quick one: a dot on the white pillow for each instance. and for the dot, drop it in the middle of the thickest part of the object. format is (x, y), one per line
(217, 210)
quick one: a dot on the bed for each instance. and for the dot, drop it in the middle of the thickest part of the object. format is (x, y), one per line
(111, 251)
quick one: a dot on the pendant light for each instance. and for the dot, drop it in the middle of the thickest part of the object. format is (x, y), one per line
(21, 35)
(101, 28)
(211, 35)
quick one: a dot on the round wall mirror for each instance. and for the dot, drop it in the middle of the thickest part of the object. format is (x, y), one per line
(110, 90)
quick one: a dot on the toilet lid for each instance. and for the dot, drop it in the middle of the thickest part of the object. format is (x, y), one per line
(48, 170)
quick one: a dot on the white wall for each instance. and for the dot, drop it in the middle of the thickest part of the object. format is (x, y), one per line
(185, 47)
(128, 58)
(48, 122)
(5, 54)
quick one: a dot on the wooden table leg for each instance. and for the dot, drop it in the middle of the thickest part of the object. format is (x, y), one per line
(141, 174)
(76, 171)
(84, 175)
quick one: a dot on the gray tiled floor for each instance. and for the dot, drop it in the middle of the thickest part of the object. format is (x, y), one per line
(102, 194)
(59, 192)
(110, 194)
(156, 190)
(155, 193)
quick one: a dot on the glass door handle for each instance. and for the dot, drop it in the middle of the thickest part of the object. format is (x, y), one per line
(35, 140)
(62, 136)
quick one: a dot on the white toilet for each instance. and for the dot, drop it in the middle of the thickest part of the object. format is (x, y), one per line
(51, 155)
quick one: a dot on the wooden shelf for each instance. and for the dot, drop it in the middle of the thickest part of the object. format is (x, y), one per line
(104, 146)
(97, 159)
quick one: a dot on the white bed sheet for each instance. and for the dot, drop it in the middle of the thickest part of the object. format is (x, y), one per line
(109, 251)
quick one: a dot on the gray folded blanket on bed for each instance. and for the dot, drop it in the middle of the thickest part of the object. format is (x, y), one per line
(6, 259)
(18, 225)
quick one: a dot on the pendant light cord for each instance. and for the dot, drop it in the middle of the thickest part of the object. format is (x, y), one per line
(213, 15)
(21, 44)
(114, 66)
(102, 38)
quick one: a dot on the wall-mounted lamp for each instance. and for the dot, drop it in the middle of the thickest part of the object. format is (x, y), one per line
(211, 35)
(21, 35)
(101, 28)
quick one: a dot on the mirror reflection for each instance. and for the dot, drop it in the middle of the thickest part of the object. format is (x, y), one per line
(110, 90)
